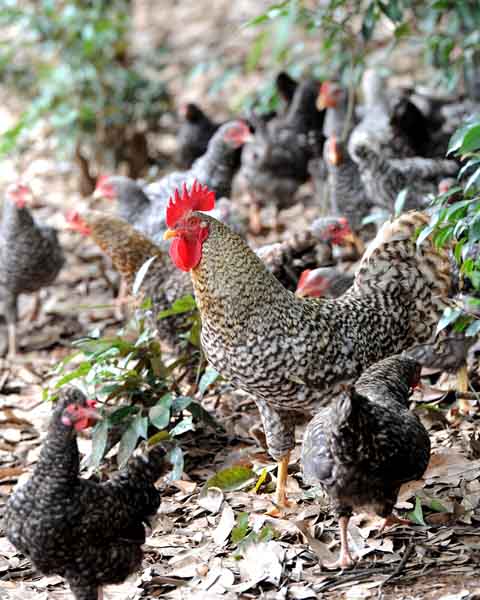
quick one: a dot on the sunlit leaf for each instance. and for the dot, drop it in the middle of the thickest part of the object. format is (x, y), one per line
(232, 478)
(416, 515)
(209, 377)
(450, 315)
(175, 457)
(185, 425)
(159, 414)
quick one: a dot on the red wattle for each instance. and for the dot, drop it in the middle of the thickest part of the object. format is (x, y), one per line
(186, 254)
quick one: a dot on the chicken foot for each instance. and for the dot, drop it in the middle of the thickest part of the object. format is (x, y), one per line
(12, 340)
(345, 559)
(462, 386)
(392, 520)
(280, 435)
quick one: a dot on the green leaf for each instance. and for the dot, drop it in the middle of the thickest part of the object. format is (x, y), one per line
(181, 403)
(182, 305)
(185, 425)
(232, 478)
(369, 21)
(416, 515)
(400, 201)
(424, 233)
(78, 373)
(450, 315)
(128, 443)
(471, 141)
(140, 276)
(99, 442)
(436, 505)
(209, 377)
(241, 529)
(473, 328)
(159, 414)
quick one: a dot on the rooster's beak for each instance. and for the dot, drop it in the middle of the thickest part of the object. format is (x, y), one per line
(169, 234)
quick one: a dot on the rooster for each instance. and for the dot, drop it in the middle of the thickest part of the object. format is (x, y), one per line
(30, 256)
(293, 354)
(364, 445)
(90, 533)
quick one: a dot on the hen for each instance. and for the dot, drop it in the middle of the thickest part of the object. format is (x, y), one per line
(275, 163)
(144, 207)
(366, 444)
(30, 256)
(323, 282)
(346, 191)
(293, 354)
(385, 178)
(194, 134)
(129, 250)
(307, 249)
(90, 533)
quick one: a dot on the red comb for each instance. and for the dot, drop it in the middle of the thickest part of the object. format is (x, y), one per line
(91, 403)
(198, 198)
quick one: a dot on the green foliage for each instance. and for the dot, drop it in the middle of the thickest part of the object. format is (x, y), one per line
(127, 373)
(346, 31)
(243, 535)
(72, 58)
(456, 219)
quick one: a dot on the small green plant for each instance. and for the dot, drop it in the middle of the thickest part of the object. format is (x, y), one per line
(128, 374)
(456, 220)
(243, 535)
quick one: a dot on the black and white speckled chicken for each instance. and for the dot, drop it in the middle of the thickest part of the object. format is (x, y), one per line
(193, 134)
(305, 250)
(366, 444)
(385, 178)
(347, 195)
(144, 207)
(376, 123)
(275, 163)
(293, 354)
(90, 533)
(30, 256)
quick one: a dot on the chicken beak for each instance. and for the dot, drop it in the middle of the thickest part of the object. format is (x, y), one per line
(169, 234)
(321, 103)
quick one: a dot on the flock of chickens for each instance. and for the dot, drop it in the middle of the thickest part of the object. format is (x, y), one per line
(345, 360)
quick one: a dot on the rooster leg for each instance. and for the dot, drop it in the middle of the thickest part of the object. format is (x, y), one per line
(255, 222)
(279, 430)
(120, 300)
(33, 316)
(12, 340)
(345, 559)
(462, 386)
(282, 475)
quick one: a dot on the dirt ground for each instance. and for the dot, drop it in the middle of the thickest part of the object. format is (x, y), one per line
(191, 554)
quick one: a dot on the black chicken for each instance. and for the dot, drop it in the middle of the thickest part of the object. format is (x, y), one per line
(365, 445)
(90, 533)
(194, 134)
(275, 163)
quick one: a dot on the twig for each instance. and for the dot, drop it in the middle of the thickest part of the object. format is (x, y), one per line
(401, 566)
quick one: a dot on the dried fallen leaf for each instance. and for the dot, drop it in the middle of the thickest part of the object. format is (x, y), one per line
(225, 526)
(211, 499)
